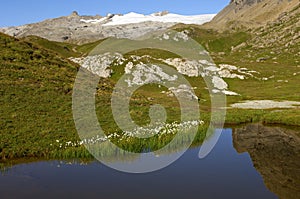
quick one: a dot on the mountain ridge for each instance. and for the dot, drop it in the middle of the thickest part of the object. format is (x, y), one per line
(83, 29)
(251, 13)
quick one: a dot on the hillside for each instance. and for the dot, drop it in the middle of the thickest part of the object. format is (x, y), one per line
(36, 97)
(35, 88)
(37, 74)
(280, 38)
(273, 27)
(251, 13)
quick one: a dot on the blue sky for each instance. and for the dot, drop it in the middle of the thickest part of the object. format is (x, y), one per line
(20, 12)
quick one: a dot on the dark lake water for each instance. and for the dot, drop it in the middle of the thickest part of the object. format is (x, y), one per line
(250, 162)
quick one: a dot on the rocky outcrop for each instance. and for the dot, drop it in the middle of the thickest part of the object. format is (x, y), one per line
(163, 13)
(251, 13)
(275, 153)
(74, 14)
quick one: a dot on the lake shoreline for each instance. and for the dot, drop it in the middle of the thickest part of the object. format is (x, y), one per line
(80, 152)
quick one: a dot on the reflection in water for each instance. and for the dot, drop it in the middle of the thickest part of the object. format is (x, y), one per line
(108, 152)
(224, 173)
(275, 153)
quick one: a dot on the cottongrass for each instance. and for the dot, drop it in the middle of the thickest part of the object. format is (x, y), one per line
(159, 129)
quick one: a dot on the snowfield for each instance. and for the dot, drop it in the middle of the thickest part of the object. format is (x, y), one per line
(132, 17)
(82, 29)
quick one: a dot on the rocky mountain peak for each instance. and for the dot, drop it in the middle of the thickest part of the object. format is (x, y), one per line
(74, 14)
(163, 13)
(245, 2)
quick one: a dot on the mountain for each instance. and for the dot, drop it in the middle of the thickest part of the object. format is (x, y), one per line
(252, 13)
(38, 70)
(279, 37)
(272, 26)
(84, 29)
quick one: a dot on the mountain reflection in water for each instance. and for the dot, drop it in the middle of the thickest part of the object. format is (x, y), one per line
(275, 153)
(227, 172)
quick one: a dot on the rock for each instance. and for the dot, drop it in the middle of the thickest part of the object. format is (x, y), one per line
(261, 59)
(219, 83)
(163, 13)
(98, 64)
(142, 74)
(65, 37)
(74, 14)
(109, 15)
(235, 48)
(189, 68)
(185, 91)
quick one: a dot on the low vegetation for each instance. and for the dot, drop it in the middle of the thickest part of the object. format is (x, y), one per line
(36, 81)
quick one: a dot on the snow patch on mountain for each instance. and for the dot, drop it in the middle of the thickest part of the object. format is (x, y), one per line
(85, 29)
(132, 17)
(93, 21)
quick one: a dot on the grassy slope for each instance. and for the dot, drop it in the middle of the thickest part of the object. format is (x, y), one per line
(36, 84)
(35, 89)
(281, 66)
(62, 49)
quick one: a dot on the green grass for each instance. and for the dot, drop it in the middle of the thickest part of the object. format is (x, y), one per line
(213, 41)
(286, 117)
(36, 82)
(88, 47)
(155, 53)
(64, 49)
(36, 104)
(35, 89)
